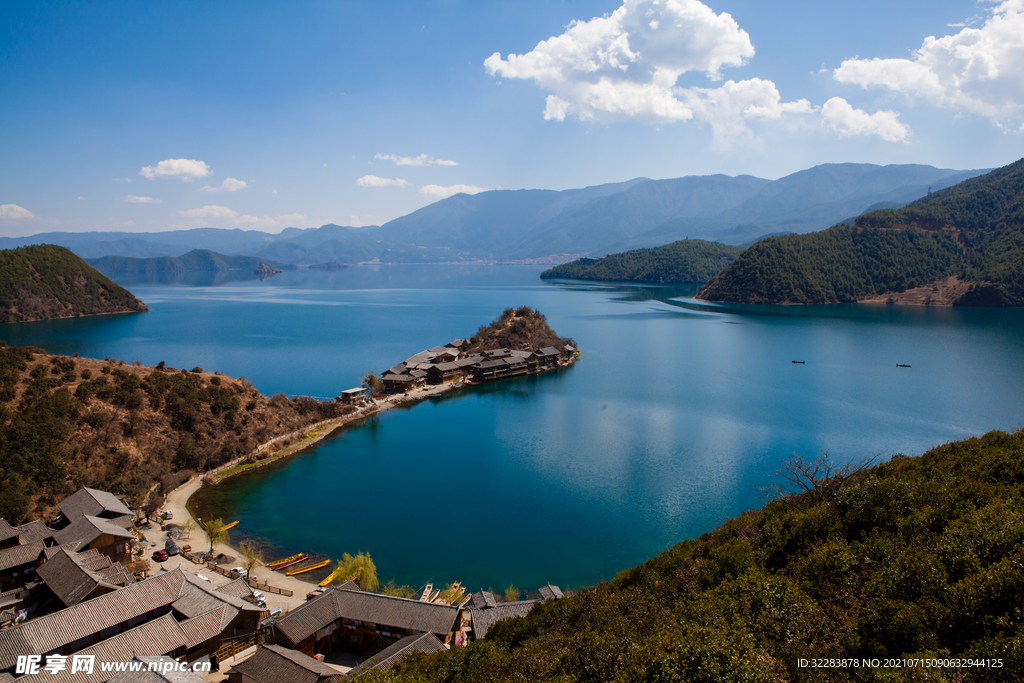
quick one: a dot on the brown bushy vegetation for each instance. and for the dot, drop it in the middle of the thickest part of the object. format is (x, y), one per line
(517, 328)
(72, 422)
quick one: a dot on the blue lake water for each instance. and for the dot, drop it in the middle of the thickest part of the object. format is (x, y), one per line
(674, 416)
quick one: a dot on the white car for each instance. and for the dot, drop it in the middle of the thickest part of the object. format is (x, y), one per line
(240, 571)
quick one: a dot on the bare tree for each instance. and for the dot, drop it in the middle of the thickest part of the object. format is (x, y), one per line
(152, 504)
(251, 558)
(372, 382)
(818, 479)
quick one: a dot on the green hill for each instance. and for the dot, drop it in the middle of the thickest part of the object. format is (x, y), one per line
(682, 261)
(918, 558)
(197, 260)
(44, 281)
(973, 231)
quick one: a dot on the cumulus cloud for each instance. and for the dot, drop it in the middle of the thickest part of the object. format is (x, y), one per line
(210, 211)
(185, 169)
(229, 185)
(438, 192)
(13, 212)
(421, 160)
(376, 181)
(843, 118)
(624, 66)
(977, 70)
(132, 199)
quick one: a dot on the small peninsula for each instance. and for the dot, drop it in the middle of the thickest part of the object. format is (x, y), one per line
(962, 246)
(44, 281)
(679, 262)
(195, 261)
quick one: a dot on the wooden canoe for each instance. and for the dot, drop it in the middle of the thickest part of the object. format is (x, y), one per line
(229, 526)
(332, 576)
(278, 563)
(302, 558)
(310, 568)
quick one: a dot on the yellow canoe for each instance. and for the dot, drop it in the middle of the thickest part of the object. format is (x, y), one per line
(230, 526)
(277, 563)
(310, 568)
(332, 576)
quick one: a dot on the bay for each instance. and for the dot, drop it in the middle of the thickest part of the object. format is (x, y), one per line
(677, 412)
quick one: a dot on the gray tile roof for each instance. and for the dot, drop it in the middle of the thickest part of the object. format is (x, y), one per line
(238, 588)
(392, 654)
(492, 364)
(86, 529)
(548, 351)
(483, 619)
(447, 367)
(6, 531)
(386, 610)
(276, 664)
(72, 579)
(482, 599)
(34, 531)
(178, 589)
(550, 592)
(17, 555)
(86, 501)
(469, 360)
(456, 343)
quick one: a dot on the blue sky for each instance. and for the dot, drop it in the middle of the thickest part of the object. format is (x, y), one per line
(156, 116)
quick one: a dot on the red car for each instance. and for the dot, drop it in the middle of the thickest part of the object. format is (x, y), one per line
(160, 555)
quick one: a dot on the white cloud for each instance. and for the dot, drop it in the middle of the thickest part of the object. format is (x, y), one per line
(421, 160)
(229, 185)
(13, 212)
(132, 199)
(82, 199)
(977, 70)
(845, 120)
(293, 218)
(185, 169)
(210, 211)
(624, 66)
(438, 192)
(355, 221)
(375, 181)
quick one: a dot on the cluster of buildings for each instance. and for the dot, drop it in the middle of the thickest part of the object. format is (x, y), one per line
(445, 363)
(72, 591)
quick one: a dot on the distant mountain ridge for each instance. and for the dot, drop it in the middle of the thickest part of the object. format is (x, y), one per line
(557, 226)
(963, 245)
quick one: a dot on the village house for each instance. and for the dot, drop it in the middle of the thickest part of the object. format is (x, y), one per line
(344, 619)
(72, 577)
(392, 654)
(172, 613)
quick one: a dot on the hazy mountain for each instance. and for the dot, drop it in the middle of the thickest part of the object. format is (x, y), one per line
(521, 225)
(197, 260)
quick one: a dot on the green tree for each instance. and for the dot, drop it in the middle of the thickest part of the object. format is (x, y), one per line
(359, 568)
(216, 533)
(251, 558)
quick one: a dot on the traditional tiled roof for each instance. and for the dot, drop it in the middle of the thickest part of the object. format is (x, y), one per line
(238, 588)
(396, 378)
(469, 360)
(34, 531)
(548, 351)
(456, 343)
(492, 364)
(447, 367)
(483, 619)
(178, 589)
(482, 599)
(6, 530)
(276, 664)
(71, 579)
(17, 555)
(86, 528)
(86, 501)
(202, 628)
(389, 656)
(386, 610)
(550, 592)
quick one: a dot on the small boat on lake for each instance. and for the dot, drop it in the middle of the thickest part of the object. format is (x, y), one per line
(277, 563)
(798, 361)
(331, 577)
(301, 558)
(901, 365)
(303, 570)
(229, 526)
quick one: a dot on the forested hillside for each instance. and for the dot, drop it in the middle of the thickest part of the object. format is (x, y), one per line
(197, 260)
(973, 232)
(44, 281)
(121, 427)
(682, 261)
(920, 557)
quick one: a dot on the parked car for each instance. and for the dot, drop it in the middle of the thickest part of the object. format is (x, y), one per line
(315, 592)
(259, 596)
(160, 556)
(172, 548)
(240, 571)
(168, 515)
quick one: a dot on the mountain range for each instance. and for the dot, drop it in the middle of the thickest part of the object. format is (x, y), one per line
(548, 226)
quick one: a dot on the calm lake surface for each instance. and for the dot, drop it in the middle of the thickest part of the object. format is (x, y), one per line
(674, 416)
